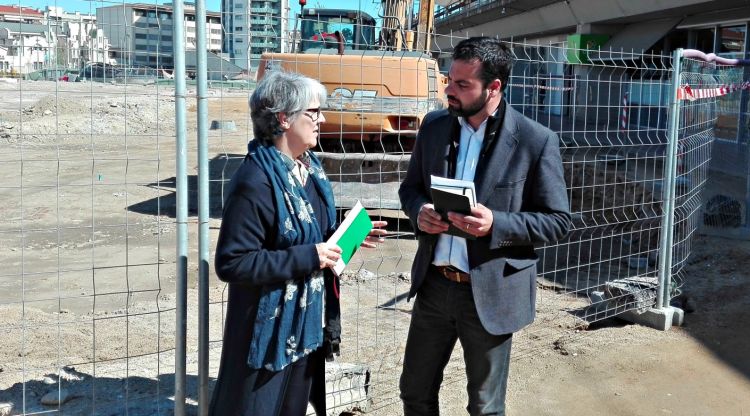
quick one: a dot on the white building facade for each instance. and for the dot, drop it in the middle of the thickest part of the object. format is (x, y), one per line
(141, 34)
(79, 41)
(20, 14)
(252, 27)
(25, 47)
(25, 42)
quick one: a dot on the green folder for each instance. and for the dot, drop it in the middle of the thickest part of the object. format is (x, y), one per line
(350, 235)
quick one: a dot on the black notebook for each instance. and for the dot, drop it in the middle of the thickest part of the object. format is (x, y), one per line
(453, 195)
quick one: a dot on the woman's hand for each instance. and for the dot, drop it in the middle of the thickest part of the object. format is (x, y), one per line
(328, 254)
(376, 234)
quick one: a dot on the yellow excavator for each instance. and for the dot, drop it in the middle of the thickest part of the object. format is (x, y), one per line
(381, 83)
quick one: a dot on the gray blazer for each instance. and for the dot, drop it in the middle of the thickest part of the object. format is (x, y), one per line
(520, 179)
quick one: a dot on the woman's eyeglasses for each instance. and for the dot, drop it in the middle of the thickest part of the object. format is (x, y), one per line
(313, 113)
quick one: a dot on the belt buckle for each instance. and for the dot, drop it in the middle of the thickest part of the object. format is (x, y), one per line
(452, 274)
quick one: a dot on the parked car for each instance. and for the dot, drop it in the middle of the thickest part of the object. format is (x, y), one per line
(69, 76)
(52, 74)
(98, 72)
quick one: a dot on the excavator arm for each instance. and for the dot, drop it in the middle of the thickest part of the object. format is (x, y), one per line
(396, 31)
(425, 25)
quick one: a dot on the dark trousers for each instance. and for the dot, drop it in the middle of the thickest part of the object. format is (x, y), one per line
(286, 392)
(444, 311)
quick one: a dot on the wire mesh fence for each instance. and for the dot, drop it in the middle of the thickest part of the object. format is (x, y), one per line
(88, 274)
(728, 194)
(89, 224)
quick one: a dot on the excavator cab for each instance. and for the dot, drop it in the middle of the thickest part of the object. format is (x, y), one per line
(318, 28)
(379, 92)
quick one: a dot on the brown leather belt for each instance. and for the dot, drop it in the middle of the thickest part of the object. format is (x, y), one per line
(453, 274)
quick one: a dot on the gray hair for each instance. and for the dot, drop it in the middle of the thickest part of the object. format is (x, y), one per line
(281, 92)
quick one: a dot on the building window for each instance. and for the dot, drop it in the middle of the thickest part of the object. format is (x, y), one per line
(140, 12)
(703, 39)
(732, 40)
(146, 25)
(238, 29)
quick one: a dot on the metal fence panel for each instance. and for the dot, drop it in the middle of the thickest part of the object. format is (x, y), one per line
(88, 234)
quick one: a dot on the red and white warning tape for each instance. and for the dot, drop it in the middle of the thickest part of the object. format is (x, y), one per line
(542, 87)
(624, 115)
(687, 93)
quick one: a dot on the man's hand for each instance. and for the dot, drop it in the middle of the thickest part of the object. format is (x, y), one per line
(478, 224)
(429, 220)
(328, 254)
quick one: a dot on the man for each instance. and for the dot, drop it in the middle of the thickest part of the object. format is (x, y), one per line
(480, 290)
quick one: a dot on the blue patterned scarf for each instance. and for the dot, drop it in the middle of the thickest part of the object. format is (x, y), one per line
(288, 324)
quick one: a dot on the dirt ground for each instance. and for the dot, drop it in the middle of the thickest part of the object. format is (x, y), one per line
(87, 304)
(618, 368)
(701, 368)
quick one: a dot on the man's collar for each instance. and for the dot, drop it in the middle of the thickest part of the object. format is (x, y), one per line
(499, 111)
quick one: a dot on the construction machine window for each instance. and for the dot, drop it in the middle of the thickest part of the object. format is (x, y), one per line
(318, 30)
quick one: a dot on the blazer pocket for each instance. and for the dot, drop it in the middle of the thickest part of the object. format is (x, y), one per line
(504, 194)
(510, 184)
(513, 266)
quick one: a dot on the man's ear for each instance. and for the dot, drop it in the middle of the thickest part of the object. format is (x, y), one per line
(283, 120)
(495, 87)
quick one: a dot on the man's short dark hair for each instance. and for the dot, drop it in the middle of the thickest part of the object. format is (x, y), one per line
(495, 57)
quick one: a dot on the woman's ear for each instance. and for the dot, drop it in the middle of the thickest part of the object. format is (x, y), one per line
(283, 120)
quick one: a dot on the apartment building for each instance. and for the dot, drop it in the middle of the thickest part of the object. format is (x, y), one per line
(79, 41)
(24, 40)
(141, 34)
(12, 13)
(252, 27)
(25, 47)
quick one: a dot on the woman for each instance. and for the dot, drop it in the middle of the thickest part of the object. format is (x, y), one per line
(282, 318)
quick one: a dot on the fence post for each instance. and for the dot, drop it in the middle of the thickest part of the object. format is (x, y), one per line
(181, 207)
(668, 188)
(744, 141)
(203, 235)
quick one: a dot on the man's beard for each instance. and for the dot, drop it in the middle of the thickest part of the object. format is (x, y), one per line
(470, 109)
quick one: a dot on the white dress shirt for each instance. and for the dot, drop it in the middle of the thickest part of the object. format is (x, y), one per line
(451, 250)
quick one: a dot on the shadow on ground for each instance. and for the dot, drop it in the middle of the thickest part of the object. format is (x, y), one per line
(220, 171)
(100, 395)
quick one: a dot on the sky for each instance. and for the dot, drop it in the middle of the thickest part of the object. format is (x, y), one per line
(89, 7)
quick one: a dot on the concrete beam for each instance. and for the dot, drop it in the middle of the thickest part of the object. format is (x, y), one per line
(662, 319)
(565, 16)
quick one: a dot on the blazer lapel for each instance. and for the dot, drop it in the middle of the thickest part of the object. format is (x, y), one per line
(443, 156)
(496, 161)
